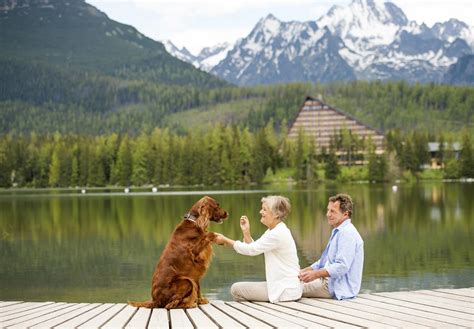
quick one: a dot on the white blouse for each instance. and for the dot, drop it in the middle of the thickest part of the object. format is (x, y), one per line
(281, 262)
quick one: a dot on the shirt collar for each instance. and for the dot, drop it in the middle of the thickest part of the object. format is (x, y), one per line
(340, 227)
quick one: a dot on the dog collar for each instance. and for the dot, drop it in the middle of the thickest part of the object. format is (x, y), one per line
(190, 217)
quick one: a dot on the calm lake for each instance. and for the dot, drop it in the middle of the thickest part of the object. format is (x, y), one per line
(102, 246)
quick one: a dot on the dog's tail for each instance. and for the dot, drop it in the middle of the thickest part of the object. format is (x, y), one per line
(148, 304)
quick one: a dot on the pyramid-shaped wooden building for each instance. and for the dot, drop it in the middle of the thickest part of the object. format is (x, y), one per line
(321, 122)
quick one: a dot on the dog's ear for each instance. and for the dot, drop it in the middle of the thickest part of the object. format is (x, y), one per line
(204, 208)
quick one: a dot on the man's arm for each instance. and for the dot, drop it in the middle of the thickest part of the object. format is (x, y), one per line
(344, 256)
(309, 274)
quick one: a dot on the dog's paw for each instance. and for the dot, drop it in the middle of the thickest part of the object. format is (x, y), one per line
(203, 300)
(211, 236)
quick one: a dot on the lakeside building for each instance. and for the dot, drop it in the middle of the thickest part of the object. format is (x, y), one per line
(323, 124)
(436, 153)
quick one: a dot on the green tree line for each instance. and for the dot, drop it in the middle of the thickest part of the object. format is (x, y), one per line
(224, 155)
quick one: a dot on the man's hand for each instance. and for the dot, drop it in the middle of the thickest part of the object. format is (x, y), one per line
(308, 274)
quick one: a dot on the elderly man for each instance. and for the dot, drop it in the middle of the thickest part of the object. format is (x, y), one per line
(338, 273)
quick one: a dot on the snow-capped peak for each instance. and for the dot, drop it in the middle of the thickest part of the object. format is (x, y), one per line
(183, 53)
(452, 29)
(374, 22)
(211, 56)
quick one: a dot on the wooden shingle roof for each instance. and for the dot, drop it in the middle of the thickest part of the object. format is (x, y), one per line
(321, 122)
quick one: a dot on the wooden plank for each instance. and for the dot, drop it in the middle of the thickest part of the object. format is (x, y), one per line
(159, 319)
(200, 319)
(294, 309)
(458, 292)
(397, 318)
(241, 317)
(121, 318)
(447, 296)
(28, 315)
(78, 320)
(329, 315)
(47, 316)
(179, 319)
(66, 317)
(442, 299)
(102, 318)
(416, 298)
(434, 320)
(272, 320)
(140, 319)
(5, 304)
(19, 308)
(284, 315)
(335, 315)
(220, 317)
(26, 312)
(454, 315)
(342, 308)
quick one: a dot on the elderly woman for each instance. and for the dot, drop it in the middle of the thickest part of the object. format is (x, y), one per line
(281, 260)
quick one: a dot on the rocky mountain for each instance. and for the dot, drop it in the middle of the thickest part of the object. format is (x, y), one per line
(462, 72)
(71, 34)
(207, 58)
(366, 39)
(276, 52)
(383, 44)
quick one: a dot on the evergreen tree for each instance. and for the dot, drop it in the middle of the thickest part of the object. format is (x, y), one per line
(141, 166)
(55, 167)
(377, 167)
(124, 162)
(300, 158)
(441, 151)
(75, 166)
(246, 162)
(311, 171)
(467, 156)
(96, 175)
(331, 167)
(5, 171)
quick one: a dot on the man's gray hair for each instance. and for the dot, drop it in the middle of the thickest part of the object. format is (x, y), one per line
(279, 205)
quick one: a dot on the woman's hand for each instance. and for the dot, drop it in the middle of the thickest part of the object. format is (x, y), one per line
(244, 224)
(220, 239)
(223, 240)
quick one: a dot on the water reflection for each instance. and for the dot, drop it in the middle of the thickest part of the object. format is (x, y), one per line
(103, 247)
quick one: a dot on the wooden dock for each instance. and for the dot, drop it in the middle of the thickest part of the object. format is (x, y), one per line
(439, 308)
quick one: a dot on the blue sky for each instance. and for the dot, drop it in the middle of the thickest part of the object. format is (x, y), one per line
(200, 23)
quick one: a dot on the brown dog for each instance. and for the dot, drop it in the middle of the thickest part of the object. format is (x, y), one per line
(185, 259)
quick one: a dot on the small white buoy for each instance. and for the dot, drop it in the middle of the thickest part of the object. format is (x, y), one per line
(394, 188)
(126, 190)
(154, 190)
(83, 191)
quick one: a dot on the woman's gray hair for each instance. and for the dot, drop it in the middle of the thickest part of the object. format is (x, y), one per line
(279, 206)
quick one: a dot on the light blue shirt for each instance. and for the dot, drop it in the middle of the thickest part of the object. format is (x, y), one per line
(344, 261)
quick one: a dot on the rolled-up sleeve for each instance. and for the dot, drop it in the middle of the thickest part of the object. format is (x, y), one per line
(344, 257)
(316, 265)
(267, 242)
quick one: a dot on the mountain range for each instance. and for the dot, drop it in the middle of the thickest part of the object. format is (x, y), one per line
(365, 40)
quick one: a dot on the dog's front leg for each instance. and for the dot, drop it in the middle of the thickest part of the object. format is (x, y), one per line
(203, 243)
